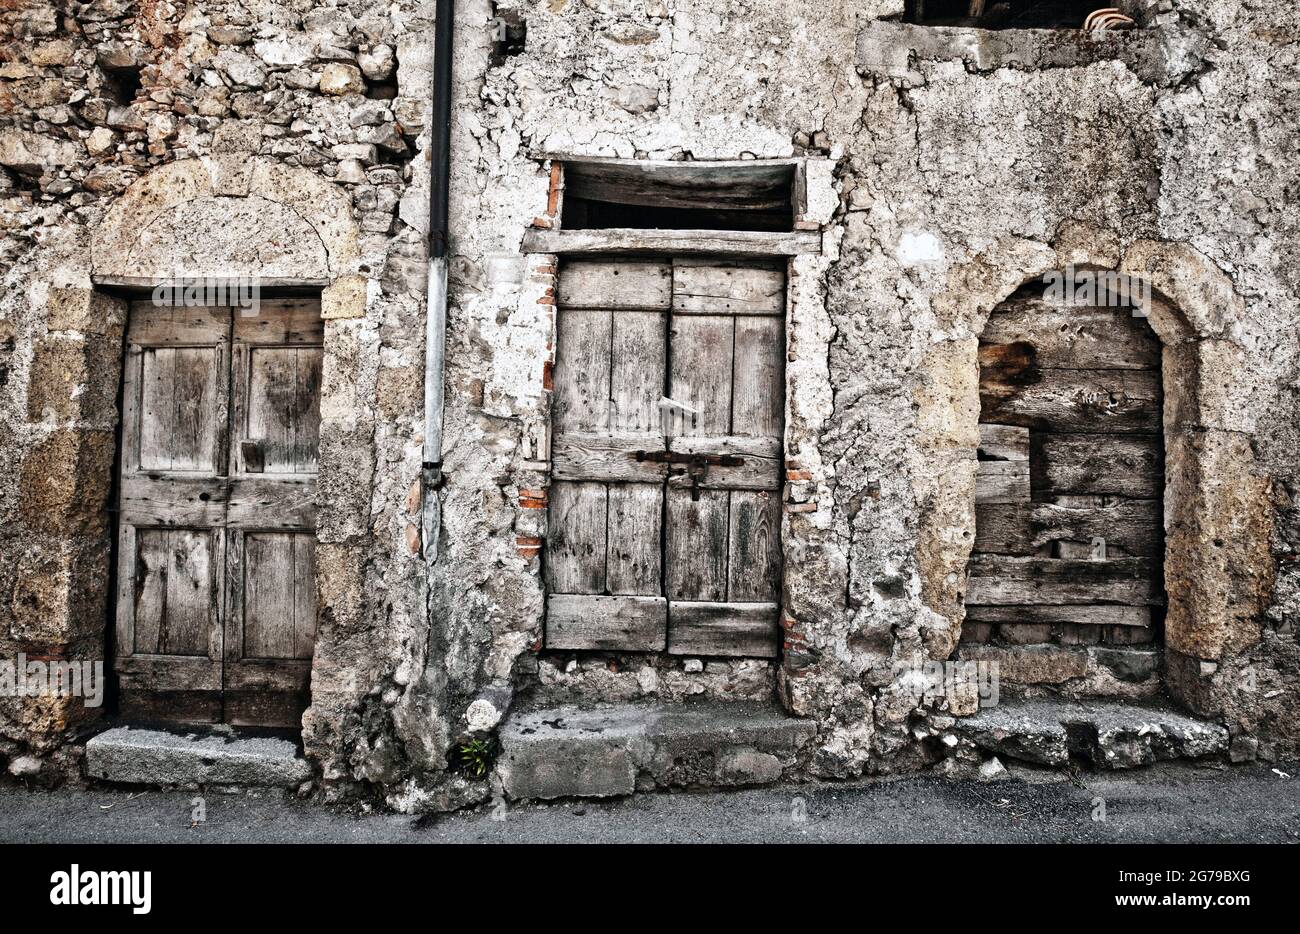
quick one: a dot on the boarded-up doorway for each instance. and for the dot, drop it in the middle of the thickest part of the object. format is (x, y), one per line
(216, 607)
(667, 420)
(1069, 494)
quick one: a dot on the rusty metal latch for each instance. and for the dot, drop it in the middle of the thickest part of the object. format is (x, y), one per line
(697, 465)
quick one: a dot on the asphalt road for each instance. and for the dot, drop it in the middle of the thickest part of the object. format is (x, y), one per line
(1176, 803)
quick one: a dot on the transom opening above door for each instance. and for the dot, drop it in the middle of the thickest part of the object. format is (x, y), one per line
(746, 195)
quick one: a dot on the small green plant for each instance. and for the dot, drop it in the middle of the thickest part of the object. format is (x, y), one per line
(475, 757)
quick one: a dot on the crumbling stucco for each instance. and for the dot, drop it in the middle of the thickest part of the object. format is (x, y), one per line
(947, 167)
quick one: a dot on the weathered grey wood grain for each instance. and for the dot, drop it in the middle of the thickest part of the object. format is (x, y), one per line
(1099, 465)
(1002, 482)
(1074, 337)
(723, 629)
(609, 285)
(1101, 614)
(701, 370)
(1135, 526)
(713, 287)
(576, 543)
(754, 542)
(997, 579)
(582, 371)
(696, 547)
(1076, 400)
(634, 549)
(630, 624)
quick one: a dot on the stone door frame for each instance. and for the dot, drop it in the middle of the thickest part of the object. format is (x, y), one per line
(172, 222)
(1218, 567)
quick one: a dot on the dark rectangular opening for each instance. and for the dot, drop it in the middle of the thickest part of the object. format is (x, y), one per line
(1007, 14)
(678, 196)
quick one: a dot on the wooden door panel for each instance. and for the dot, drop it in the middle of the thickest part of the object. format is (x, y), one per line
(634, 552)
(174, 590)
(754, 547)
(271, 517)
(696, 545)
(172, 504)
(179, 424)
(701, 355)
(758, 396)
(283, 413)
(575, 545)
(216, 585)
(582, 371)
(638, 346)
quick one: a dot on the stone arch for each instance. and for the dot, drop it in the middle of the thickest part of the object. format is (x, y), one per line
(1219, 569)
(197, 217)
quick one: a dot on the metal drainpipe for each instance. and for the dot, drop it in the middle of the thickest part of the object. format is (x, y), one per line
(436, 318)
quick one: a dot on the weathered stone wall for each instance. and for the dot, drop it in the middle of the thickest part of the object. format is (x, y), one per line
(966, 163)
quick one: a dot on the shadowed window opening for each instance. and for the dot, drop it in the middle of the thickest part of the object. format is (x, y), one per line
(681, 196)
(1015, 14)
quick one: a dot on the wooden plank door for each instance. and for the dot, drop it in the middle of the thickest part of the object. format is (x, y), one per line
(1069, 492)
(216, 571)
(723, 529)
(270, 623)
(660, 364)
(173, 493)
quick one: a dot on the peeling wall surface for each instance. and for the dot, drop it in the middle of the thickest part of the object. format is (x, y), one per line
(947, 167)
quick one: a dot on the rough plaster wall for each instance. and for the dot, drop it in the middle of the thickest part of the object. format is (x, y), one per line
(948, 151)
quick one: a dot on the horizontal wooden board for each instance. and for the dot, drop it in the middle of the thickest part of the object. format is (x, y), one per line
(606, 457)
(1136, 526)
(1100, 614)
(636, 240)
(181, 326)
(1001, 580)
(743, 445)
(748, 630)
(1002, 482)
(632, 624)
(718, 288)
(280, 321)
(609, 286)
(1073, 400)
(1003, 443)
(1074, 336)
(1098, 465)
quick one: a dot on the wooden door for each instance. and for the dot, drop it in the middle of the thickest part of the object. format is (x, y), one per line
(216, 581)
(1069, 493)
(666, 457)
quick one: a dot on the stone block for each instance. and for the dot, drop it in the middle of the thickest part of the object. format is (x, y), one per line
(1031, 664)
(74, 380)
(157, 757)
(65, 479)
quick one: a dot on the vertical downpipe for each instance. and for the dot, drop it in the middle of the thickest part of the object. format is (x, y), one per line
(436, 318)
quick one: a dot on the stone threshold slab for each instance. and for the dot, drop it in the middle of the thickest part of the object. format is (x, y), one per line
(142, 756)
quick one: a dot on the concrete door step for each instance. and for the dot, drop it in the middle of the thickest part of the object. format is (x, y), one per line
(1109, 734)
(570, 751)
(216, 756)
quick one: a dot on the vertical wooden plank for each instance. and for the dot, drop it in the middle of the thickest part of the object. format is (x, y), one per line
(582, 371)
(157, 407)
(304, 594)
(272, 393)
(758, 399)
(639, 351)
(149, 590)
(754, 555)
(696, 545)
(634, 548)
(189, 619)
(306, 406)
(701, 360)
(269, 602)
(576, 543)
